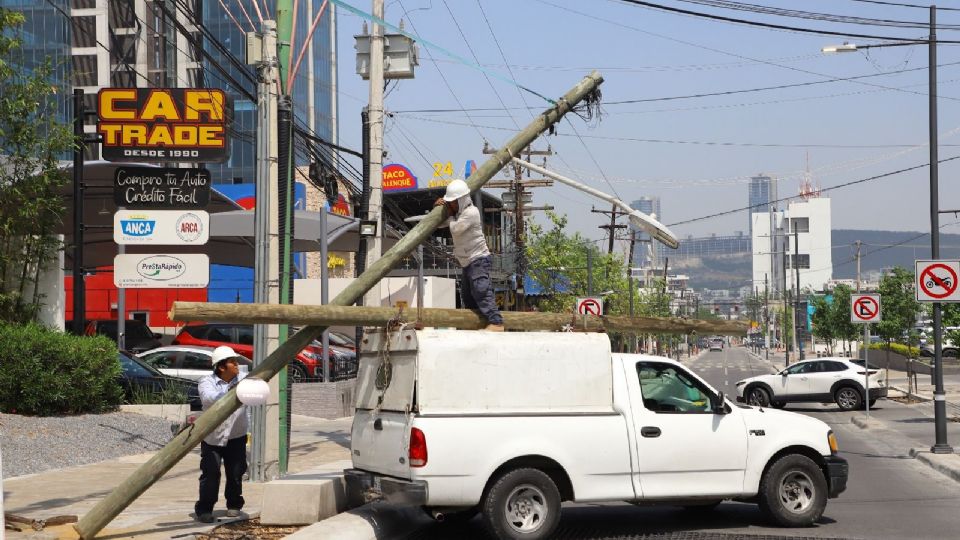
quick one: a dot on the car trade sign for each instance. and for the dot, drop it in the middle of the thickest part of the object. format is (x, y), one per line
(161, 227)
(865, 308)
(164, 124)
(936, 281)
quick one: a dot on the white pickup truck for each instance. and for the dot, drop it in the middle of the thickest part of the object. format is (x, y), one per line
(512, 424)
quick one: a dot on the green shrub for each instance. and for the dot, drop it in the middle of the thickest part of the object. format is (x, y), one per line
(167, 395)
(47, 372)
(899, 348)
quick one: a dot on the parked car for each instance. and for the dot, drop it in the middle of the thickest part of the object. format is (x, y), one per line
(184, 361)
(946, 352)
(716, 344)
(137, 377)
(823, 380)
(629, 427)
(306, 367)
(138, 337)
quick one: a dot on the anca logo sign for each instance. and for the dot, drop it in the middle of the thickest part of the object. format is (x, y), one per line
(138, 226)
(161, 267)
(164, 124)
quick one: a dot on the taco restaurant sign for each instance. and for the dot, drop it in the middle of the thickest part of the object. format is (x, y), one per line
(398, 177)
(164, 124)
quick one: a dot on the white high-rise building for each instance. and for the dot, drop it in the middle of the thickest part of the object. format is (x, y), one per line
(803, 233)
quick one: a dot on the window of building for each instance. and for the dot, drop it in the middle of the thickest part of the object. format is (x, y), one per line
(800, 224)
(801, 261)
(84, 31)
(84, 70)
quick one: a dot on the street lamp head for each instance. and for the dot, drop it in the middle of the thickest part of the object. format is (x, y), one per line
(846, 47)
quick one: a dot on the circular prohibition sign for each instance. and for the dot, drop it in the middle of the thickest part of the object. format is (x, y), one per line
(866, 308)
(929, 280)
(589, 307)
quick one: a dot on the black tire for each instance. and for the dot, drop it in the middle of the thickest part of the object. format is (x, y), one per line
(758, 396)
(296, 373)
(793, 492)
(522, 504)
(778, 404)
(848, 398)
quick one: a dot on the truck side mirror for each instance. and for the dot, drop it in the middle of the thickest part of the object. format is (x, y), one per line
(718, 403)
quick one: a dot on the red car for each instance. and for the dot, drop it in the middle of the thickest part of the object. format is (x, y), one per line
(306, 367)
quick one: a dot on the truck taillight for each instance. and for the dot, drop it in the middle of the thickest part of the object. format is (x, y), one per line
(418, 448)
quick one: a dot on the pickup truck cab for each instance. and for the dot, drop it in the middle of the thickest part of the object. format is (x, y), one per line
(512, 424)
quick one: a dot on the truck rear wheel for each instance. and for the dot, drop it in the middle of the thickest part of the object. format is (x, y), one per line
(522, 504)
(793, 492)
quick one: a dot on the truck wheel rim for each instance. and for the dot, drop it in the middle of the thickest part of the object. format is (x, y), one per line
(796, 492)
(847, 398)
(526, 508)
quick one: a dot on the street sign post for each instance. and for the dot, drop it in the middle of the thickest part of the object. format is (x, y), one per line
(865, 309)
(937, 281)
(590, 305)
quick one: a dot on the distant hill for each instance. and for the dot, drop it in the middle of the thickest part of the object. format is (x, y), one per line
(881, 250)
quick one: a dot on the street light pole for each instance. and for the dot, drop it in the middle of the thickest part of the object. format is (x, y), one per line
(939, 397)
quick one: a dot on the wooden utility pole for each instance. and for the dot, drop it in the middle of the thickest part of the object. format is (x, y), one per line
(614, 212)
(333, 315)
(517, 187)
(151, 471)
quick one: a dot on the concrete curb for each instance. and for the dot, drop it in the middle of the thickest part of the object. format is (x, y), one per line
(948, 464)
(910, 394)
(374, 521)
(865, 422)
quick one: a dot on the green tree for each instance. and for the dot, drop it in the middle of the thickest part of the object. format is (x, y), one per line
(822, 319)
(843, 328)
(31, 141)
(898, 307)
(558, 262)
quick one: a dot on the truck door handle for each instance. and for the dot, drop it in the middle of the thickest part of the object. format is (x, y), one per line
(650, 431)
(378, 424)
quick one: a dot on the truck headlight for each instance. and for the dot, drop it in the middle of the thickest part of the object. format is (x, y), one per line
(832, 441)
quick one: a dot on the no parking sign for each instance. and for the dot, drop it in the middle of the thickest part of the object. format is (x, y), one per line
(865, 308)
(937, 281)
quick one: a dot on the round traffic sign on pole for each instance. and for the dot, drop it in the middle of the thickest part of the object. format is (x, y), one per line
(938, 281)
(590, 305)
(865, 308)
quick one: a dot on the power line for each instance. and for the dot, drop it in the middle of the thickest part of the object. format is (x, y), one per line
(771, 26)
(897, 4)
(831, 188)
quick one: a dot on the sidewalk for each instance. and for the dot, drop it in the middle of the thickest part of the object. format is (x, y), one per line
(163, 511)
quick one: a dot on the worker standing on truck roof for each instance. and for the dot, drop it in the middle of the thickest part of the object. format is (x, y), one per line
(470, 249)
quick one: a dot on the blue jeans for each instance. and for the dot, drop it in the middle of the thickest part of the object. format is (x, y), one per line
(477, 290)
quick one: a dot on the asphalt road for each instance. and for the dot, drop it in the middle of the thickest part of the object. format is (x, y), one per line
(889, 495)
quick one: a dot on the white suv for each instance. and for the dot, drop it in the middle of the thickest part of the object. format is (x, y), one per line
(822, 380)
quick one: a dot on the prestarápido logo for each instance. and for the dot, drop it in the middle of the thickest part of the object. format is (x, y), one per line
(161, 268)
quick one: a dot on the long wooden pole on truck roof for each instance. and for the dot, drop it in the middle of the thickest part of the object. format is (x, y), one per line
(151, 471)
(330, 315)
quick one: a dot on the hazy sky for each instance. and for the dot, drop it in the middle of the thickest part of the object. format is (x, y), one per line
(710, 146)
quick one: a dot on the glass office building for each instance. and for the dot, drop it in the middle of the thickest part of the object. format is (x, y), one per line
(762, 192)
(641, 253)
(312, 86)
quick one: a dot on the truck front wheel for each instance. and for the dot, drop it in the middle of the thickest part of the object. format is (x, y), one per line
(522, 504)
(793, 492)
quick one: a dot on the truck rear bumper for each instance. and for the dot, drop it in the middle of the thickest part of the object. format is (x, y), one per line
(837, 472)
(363, 487)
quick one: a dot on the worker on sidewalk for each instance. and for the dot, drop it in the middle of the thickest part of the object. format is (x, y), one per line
(227, 444)
(470, 249)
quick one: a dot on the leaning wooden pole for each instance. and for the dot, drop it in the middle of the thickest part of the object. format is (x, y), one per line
(151, 471)
(330, 315)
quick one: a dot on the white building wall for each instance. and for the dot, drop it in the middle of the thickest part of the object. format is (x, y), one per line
(816, 243)
(764, 241)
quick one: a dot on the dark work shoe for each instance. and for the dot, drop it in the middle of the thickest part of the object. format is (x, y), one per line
(234, 512)
(205, 518)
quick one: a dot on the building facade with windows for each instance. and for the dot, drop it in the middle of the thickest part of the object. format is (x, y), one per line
(647, 253)
(799, 239)
(761, 195)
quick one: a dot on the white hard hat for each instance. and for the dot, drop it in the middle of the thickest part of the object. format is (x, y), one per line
(222, 353)
(456, 189)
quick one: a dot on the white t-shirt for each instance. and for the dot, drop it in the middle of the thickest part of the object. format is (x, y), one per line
(467, 230)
